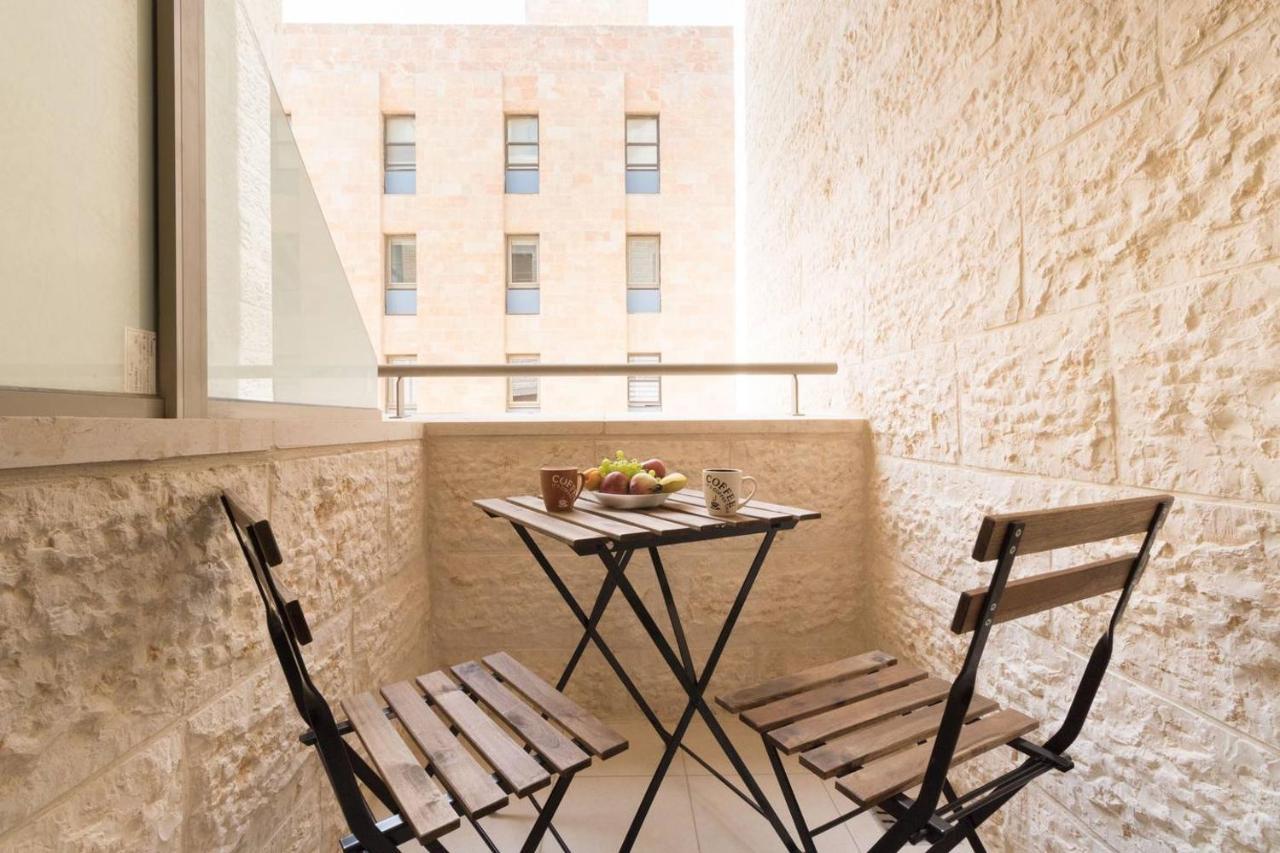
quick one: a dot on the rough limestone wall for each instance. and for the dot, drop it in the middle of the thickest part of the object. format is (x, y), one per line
(1042, 239)
(487, 592)
(141, 707)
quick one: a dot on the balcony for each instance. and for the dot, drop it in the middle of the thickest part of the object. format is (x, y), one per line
(993, 259)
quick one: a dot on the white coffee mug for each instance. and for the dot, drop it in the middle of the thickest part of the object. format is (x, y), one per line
(722, 490)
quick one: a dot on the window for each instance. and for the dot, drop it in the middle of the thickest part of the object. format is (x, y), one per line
(642, 154)
(410, 391)
(643, 294)
(522, 391)
(523, 294)
(402, 275)
(522, 154)
(400, 162)
(644, 393)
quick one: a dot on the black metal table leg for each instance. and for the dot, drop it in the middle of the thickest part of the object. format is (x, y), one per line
(597, 613)
(695, 691)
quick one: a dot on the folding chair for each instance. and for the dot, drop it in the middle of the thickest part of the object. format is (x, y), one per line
(446, 715)
(881, 727)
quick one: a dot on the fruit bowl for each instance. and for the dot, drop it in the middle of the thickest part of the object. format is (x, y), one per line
(632, 501)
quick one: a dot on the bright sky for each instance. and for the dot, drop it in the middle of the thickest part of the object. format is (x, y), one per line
(661, 12)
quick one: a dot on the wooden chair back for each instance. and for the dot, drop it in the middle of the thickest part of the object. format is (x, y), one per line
(1005, 537)
(1045, 530)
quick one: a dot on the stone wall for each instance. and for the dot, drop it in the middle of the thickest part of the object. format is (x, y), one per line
(487, 593)
(140, 705)
(1043, 241)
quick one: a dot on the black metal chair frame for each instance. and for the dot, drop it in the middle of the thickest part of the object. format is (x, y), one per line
(920, 818)
(342, 764)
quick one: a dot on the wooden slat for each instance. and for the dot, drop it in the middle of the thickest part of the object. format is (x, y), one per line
(517, 768)
(703, 512)
(789, 685)
(796, 512)
(616, 530)
(1043, 591)
(751, 510)
(879, 739)
(901, 770)
(559, 751)
(580, 539)
(801, 705)
(639, 519)
(1072, 525)
(422, 804)
(695, 522)
(814, 730)
(599, 738)
(471, 785)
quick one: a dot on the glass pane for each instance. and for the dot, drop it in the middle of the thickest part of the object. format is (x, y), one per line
(401, 156)
(642, 129)
(283, 325)
(401, 302)
(526, 300)
(522, 155)
(642, 180)
(522, 181)
(523, 128)
(642, 155)
(524, 263)
(400, 129)
(401, 182)
(644, 301)
(77, 276)
(402, 260)
(642, 261)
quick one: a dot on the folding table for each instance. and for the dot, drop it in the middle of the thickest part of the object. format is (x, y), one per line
(614, 536)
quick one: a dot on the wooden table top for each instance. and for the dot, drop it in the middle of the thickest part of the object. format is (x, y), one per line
(590, 526)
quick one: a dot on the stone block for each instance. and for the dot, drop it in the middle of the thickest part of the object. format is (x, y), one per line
(136, 805)
(243, 754)
(1197, 373)
(329, 514)
(1036, 398)
(408, 480)
(1193, 27)
(124, 603)
(911, 402)
(391, 630)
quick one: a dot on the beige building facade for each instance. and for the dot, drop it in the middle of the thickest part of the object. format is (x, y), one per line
(424, 143)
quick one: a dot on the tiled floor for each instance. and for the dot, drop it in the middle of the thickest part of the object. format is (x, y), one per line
(693, 813)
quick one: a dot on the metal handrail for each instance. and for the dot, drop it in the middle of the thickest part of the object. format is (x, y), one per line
(794, 369)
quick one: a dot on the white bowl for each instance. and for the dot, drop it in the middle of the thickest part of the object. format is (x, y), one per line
(632, 501)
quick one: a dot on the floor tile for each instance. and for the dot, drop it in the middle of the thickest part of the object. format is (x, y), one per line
(508, 828)
(726, 825)
(748, 743)
(641, 756)
(596, 813)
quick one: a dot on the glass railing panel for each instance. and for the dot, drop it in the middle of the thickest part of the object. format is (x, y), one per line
(77, 212)
(283, 324)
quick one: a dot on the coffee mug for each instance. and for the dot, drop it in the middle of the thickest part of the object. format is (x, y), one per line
(560, 488)
(722, 490)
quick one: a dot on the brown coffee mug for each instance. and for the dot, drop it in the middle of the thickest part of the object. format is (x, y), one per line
(560, 488)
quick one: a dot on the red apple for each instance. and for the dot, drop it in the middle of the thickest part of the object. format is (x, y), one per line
(644, 484)
(614, 483)
(657, 466)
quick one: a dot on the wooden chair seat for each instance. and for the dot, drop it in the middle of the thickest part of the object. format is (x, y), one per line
(487, 730)
(868, 721)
